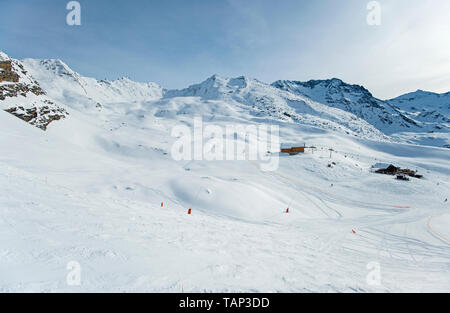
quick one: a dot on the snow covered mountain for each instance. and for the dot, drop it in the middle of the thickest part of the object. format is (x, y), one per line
(261, 100)
(239, 98)
(324, 104)
(77, 91)
(354, 99)
(431, 109)
(22, 96)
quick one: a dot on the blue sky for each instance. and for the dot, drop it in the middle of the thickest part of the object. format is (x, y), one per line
(179, 42)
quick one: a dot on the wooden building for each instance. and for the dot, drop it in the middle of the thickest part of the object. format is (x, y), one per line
(293, 150)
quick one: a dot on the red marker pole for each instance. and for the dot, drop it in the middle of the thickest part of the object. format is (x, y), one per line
(162, 204)
(190, 211)
(287, 210)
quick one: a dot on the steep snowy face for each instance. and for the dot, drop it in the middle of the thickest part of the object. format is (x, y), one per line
(135, 91)
(215, 87)
(354, 99)
(22, 96)
(81, 93)
(4, 57)
(264, 101)
(430, 108)
(55, 66)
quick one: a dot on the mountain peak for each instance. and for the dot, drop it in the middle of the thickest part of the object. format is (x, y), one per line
(424, 92)
(124, 78)
(214, 87)
(4, 57)
(430, 108)
(215, 77)
(57, 66)
(234, 81)
(418, 94)
(336, 82)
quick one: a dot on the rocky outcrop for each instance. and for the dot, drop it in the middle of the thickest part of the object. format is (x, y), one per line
(15, 90)
(40, 117)
(22, 96)
(6, 72)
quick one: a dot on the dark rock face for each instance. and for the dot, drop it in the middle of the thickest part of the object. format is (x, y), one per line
(6, 72)
(15, 90)
(40, 117)
(22, 96)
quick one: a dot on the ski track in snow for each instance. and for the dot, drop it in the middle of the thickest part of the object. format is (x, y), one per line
(128, 243)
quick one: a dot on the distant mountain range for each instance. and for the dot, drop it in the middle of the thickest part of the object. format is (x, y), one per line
(48, 90)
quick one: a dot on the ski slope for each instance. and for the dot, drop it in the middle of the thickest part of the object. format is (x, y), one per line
(90, 190)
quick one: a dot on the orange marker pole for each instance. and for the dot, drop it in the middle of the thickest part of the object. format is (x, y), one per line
(162, 204)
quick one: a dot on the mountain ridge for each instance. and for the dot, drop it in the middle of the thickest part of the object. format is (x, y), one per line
(330, 103)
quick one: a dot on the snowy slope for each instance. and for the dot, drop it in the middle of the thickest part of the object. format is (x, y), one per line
(95, 199)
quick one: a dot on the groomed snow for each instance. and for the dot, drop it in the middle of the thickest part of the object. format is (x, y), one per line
(90, 193)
